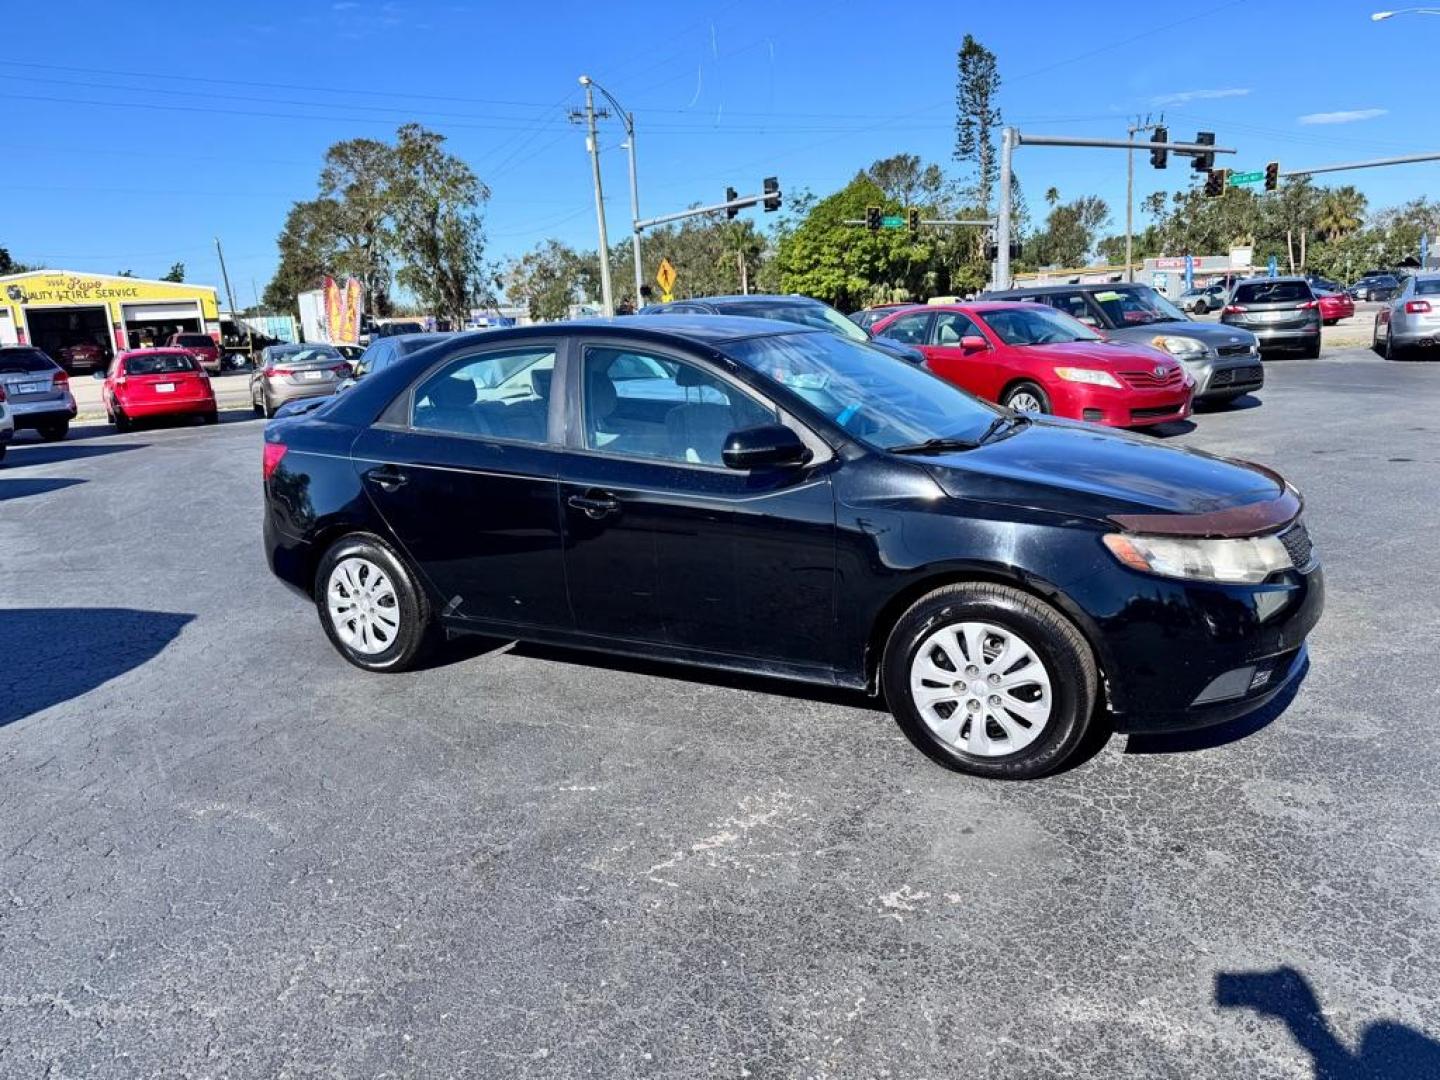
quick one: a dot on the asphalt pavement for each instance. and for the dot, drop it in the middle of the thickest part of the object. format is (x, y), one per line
(226, 853)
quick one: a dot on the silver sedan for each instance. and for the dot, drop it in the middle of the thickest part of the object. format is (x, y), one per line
(1410, 321)
(290, 372)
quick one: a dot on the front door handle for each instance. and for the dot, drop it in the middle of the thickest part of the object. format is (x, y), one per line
(387, 477)
(595, 504)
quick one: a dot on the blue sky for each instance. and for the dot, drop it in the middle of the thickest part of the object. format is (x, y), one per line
(137, 132)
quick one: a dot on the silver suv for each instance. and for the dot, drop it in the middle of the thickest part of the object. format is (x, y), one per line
(37, 391)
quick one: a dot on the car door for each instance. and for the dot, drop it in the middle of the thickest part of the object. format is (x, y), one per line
(663, 543)
(912, 328)
(972, 369)
(463, 467)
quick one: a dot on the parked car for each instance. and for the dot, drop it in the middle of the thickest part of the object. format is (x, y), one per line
(289, 372)
(1411, 320)
(83, 356)
(1037, 360)
(868, 317)
(1224, 362)
(392, 329)
(384, 351)
(1334, 306)
(204, 348)
(1001, 578)
(1375, 287)
(1281, 311)
(1202, 301)
(801, 310)
(143, 384)
(38, 391)
(1319, 284)
(350, 352)
(7, 425)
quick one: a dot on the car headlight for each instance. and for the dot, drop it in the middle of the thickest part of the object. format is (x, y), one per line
(1245, 561)
(1087, 375)
(1182, 348)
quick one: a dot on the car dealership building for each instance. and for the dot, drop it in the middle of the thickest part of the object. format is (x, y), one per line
(57, 309)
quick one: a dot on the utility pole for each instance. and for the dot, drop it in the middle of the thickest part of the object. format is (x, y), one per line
(1131, 131)
(230, 298)
(745, 277)
(629, 119)
(607, 298)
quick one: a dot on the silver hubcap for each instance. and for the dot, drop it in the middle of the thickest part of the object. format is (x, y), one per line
(1024, 401)
(981, 688)
(363, 606)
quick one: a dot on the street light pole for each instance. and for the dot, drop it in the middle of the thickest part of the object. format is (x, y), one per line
(1130, 197)
(1002, 216)
(607, 298)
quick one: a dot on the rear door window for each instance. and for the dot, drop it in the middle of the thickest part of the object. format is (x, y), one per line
(1427, 287)
(1273, 292)
(24, 361)
(500, 395)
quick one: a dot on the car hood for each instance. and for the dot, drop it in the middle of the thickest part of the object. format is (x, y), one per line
(1212, 335)
(1081, 470)
(1115, 354)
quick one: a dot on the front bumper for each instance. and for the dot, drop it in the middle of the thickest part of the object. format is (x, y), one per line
(1121, 408)
(1230, 375)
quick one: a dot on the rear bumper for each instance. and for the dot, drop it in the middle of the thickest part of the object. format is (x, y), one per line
(1295, 337)
(279, 393)
(169, 407)
(32, 414)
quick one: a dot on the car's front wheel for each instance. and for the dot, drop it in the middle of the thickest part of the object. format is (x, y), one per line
(989, 680)
(1027, 397)
(373, 610)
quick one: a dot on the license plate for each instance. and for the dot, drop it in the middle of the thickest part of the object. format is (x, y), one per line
(32, 388)
(312, 374)
(165, 388)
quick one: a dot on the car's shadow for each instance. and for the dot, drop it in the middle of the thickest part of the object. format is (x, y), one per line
(1240, 404)
(61, 653)
(1168, 430)
(48, 453)
(21, 487)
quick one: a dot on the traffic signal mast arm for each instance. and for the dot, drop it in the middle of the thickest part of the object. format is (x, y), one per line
(1021, 139)
(738, 203)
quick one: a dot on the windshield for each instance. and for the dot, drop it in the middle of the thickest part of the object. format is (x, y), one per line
(170, 363)
(1137, 307)
(865, 392)
(1036, 325)
(23, 361)
(817, 315)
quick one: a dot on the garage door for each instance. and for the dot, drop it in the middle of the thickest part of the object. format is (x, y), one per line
(161, 312)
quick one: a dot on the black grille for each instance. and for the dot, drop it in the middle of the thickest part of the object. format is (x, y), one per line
(1297, 542)
(1233, 350)
(1240, 376)
(1152, 411)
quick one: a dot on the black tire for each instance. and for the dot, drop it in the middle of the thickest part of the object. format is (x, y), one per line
(211, 417)
(1311, 352)
(121, 421)
(1375, 345)
(1028, 388)
(416, 634)
(1392, 351)
(1074, 680)
(53, 432)
(3, 448)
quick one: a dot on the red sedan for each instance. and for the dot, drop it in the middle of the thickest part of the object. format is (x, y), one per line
(205, 348)
(1334, 306)
(1036, 359)
(144, 383)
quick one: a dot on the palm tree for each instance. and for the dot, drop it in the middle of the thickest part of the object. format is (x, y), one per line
(1340, 213)
(1052, 195)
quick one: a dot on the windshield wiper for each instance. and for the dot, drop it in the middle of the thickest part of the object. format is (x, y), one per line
(933, 446)
(1012, 422)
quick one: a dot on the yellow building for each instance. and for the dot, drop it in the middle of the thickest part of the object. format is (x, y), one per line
(56, 309)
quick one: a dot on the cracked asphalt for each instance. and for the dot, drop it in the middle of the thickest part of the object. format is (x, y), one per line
(226, 853)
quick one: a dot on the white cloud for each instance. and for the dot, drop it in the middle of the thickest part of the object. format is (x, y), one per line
(1184, 96)
(1345, 116)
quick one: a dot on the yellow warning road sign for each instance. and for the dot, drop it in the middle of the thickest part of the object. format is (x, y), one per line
(665, 276)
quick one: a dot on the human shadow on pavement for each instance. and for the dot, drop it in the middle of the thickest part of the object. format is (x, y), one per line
(55, 654)
(1207, 738)
(24, 486)
(1387, 1050)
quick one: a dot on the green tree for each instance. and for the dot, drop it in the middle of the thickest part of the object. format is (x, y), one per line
(1340, 213)
(906, 180)
(1070, 231)
(125, 273)
(9, 265)
(977, 116)
(545, 280)
(176, 273)
(309, 251)
(357, 177)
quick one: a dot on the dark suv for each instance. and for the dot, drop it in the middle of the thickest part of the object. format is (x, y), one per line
(1375, 287)
(1283, 312)
(1224, 362)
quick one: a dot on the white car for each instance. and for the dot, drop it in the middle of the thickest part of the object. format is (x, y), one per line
(7, 425)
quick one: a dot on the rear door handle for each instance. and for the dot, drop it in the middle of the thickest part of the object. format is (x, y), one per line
(595, 505)
(387, 477)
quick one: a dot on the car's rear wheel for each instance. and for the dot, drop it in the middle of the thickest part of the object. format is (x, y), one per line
(1311, 352)
(120, 420)
(53, 432)
(989, 680)
(1027, 397)
(371, 606)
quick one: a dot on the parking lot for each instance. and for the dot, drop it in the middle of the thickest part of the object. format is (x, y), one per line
(226, 852)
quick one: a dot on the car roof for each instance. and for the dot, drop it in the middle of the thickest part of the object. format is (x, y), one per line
(1041, 290)
(696, 329)
(1283, 277)
(155, 350)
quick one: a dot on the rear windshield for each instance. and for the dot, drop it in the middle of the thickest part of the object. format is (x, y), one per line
(195, 341)
(170, 363)
(21, 361)
(1272, 292)
(1427, 287)
(308, 354)
(817, 315)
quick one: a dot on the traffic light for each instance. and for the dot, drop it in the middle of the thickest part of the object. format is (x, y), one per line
(1204, 162)
(1215, 183)
(730, 196)
(1159, 155)
(912, 219)
(1272, 176)
(772, 193)
(872, 218)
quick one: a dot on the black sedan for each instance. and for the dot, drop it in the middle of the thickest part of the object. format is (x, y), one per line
(751, 495)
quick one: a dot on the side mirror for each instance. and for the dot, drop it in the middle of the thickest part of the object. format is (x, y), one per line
(765, 447)
(973, 343)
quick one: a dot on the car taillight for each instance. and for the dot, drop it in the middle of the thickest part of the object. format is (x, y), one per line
(1417, 307)
(61, 380)
(274, 451)
(1308, 304)
(279, 371)
(2, 393)
(341, 369)
(1235, 309)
